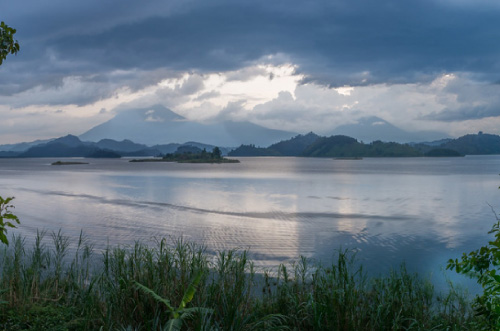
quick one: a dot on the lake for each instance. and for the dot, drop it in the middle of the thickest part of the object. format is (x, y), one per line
(421, 211)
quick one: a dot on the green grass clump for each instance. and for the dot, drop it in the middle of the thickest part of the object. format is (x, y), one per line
(176, 284)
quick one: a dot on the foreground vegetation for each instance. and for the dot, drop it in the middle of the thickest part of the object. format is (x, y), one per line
(178, 284)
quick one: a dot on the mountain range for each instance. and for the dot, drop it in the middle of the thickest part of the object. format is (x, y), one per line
(72, 146)
(300, 145)
(157, 130)
(159, 125)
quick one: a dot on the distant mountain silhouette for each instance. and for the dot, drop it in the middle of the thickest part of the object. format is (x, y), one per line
(123, 146)
(432, 143)
(9, 154)
(72, 146)
(475, 144)
(21, 147)
(68, 140)
(373, 128)
(67, 146)
(58, 150)
(158, 125)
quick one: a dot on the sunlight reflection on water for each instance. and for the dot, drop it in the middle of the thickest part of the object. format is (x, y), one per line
(419, 210)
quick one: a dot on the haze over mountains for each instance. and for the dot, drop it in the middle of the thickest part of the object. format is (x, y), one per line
(372, 128)
(159, 125)
(157, 130)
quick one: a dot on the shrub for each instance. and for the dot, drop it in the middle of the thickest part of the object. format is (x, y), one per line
(7, 219)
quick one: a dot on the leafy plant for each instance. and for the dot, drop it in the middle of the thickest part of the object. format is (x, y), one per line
(484, 265)
(8, 45)
(181, 313)
(7, 219)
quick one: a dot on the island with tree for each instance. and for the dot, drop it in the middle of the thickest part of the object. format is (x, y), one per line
(191, 154)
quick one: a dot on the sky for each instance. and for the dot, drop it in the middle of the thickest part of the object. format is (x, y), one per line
(285, 64)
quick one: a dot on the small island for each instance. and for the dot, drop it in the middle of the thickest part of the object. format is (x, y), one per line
(349, 158)
(67, 163)
(191, 154)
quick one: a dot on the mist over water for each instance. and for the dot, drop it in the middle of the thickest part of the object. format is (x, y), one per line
(422, 211)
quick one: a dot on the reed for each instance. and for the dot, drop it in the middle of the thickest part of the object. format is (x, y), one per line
(127, 288)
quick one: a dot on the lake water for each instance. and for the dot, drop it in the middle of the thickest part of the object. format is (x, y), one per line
(419, 210)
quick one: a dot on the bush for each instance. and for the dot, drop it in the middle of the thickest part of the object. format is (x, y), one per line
(6, 218)
(483, 264)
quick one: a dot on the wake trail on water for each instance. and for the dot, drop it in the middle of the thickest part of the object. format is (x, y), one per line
(275, 215)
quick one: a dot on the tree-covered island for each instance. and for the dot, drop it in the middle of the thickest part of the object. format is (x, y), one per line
(191, 154)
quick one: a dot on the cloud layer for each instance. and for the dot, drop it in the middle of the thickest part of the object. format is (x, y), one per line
(93, 55)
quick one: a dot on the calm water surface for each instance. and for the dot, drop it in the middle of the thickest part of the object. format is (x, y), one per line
(419, 210)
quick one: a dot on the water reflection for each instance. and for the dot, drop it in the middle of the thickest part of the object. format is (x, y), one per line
(422, 211)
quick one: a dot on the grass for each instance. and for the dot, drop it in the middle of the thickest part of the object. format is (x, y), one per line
(45, 287)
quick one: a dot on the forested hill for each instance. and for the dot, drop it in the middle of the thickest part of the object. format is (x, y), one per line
(295, 146)
(334, 146)
(291, 147)
(479, 144)
(344, 146)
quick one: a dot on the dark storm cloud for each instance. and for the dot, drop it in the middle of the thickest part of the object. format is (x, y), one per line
(334, 43)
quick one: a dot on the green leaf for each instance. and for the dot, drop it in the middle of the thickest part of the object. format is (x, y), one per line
(174, 325)
(191, 290)
(8, 45)
(3, 238)
(155, 296)
(188, 313)
(496, 277)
